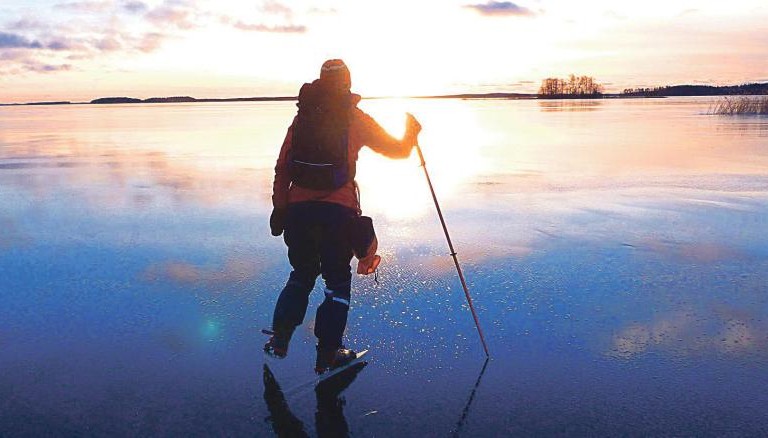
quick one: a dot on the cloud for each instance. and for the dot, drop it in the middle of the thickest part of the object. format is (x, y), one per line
(12, 55)
(28, 24)
(119, 41)
(14, 41)
(60, 44)
(172, 13)
(85, 6)
(109, 44)
(22, 63)
(151, 42)
(135, 7)
(47, 68)
(493, 8)
(33, 44)
(277, 8)
(270, 9)
(19, 54)
(287, 28)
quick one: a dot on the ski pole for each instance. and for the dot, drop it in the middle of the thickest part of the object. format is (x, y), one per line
(453, 252)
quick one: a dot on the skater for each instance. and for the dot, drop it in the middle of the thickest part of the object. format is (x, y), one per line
(316, 207)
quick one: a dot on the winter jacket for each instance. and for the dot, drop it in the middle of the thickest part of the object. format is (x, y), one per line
(363, 131)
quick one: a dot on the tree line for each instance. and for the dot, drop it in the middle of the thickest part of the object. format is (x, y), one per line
(573, 86)
(699, 90)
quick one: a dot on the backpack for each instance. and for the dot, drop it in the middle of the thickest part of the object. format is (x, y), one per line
(319, 149)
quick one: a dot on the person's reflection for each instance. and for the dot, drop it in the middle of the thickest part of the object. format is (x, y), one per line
(329, 417)
(284, 423)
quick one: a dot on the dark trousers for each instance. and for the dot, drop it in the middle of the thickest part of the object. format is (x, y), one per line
(315, 233)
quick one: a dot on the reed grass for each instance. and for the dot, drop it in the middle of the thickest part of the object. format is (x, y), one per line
(744, 105)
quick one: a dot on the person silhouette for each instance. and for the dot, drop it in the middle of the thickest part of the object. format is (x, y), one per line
(315, 201)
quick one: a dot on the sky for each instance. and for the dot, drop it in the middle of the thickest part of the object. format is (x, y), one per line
(81, 50)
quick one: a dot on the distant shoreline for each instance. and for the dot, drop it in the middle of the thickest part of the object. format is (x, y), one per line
(659, 92)
(470, 96)
(180, 99)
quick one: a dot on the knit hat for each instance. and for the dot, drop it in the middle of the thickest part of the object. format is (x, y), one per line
(335, 71)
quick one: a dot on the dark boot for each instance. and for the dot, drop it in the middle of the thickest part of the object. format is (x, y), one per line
(277, 345)
(330, 359)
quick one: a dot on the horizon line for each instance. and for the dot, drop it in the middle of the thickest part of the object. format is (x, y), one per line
(490, 95)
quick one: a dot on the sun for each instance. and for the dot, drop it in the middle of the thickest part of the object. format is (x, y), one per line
(451, 141)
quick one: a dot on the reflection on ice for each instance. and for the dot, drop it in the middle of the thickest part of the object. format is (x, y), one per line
(688, 333)
(570, 105)
(10, 235)
(617, 257)
(235, 270)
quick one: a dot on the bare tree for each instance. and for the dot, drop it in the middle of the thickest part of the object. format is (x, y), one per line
(552, 87)
(574, 86)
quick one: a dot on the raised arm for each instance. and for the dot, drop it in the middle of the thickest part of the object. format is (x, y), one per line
(380, 141)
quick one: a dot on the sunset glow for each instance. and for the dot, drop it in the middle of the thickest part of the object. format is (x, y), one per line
(81, 50)
(397, 188)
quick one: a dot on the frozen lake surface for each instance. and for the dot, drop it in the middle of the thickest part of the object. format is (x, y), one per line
(615, 249)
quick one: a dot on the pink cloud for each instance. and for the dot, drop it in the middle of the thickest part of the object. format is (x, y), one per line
(151, 42)
(178, 16)
(109, 44)
(277, 8)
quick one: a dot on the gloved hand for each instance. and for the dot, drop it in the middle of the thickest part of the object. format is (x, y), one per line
(277, 221)
(368, 265)
(412, 126)
(412, 129)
